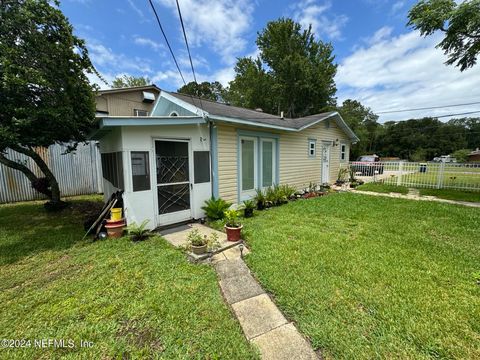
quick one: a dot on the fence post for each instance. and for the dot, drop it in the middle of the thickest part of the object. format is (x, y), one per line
(400, 173)
(441, 173)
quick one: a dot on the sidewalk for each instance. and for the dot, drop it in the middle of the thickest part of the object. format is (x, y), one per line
(262, 322)
(414, 196)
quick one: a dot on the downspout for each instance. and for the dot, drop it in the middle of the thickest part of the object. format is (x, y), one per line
(212, 127)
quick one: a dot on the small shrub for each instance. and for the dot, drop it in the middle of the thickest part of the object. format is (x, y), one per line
(288, 191)
(195, 238)
(215, 208)
(248, 207)
(260, 199)
(232, 218)
(138, 232)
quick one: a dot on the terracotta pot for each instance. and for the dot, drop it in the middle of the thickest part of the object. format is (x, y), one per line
(199, 250)
(233, 234)
(115, 230)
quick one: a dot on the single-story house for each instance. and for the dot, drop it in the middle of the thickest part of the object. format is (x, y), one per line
(169, 161)
(474, 156)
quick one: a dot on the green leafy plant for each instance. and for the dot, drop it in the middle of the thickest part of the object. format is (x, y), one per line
(138, 232)
(215, 208)
(260, 199)
(288, 191)
(248, 207)
(342, 176)
(232, 218)
(196, 238)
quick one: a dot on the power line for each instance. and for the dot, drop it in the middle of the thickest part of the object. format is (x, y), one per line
(188, 48)
(425, 108)
(168, 45)
(440, 116)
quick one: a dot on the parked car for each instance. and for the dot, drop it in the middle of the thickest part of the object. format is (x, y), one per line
(367, 165)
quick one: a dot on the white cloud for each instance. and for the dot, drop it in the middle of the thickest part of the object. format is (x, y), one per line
(397, 6)
(142, 41)
(313, 12)
(404, 72)
(136, 9)
(380, 35)
(218, 24)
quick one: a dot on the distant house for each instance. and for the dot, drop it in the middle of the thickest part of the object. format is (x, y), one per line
(474, 156)
(185, 150)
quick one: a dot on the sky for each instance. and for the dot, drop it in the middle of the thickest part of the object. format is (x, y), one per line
(381, 62)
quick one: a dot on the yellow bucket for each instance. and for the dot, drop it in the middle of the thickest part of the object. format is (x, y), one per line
(116, 214)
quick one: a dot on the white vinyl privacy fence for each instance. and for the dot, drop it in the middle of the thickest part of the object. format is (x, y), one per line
(77, 173)
(420, 175)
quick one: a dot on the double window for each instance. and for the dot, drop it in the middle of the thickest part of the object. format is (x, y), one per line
(312, 147)
(258, 162)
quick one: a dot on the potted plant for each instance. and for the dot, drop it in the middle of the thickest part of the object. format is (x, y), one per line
(248, 207)
(197, 242)
(138, 232)
(260, 199)
(232, 226)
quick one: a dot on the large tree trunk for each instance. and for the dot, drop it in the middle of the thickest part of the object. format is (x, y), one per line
(52, 189)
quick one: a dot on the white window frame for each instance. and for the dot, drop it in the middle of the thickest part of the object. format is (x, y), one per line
(248, 194)
(135, 112)
(274, 160)
(310, 143)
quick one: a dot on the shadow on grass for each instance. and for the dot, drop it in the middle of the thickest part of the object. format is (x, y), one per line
(27, 229)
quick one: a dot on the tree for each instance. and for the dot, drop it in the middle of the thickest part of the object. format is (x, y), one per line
(364, 124)
(130, 81)
(460, 22)
(46, 97)
(294, 73)
(461, 155)
(213, 91)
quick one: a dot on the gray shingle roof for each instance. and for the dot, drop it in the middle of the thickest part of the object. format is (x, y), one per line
(215, 109)
(218, 109)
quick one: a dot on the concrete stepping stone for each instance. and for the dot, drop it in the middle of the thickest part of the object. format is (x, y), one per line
(258, 315)
(284, 343)
(231, 268)
(238, 288)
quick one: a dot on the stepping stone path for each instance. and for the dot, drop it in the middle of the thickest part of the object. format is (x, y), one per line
(262, 322)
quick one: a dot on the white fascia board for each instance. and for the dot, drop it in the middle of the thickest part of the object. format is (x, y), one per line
(184, 104)
(250, 123)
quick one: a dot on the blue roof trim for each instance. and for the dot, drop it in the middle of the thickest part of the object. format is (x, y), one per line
(150, 121)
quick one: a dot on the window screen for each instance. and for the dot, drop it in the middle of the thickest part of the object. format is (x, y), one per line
(112, 168)
(201, 165)
(140, 112)
(140, 170)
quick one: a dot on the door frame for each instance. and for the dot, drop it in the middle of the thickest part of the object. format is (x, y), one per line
(325, 175)
(245, 195)
(178, 216)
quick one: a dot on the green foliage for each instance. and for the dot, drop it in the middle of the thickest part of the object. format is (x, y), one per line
(287, 191)
(53, 283)
(260, 198)
(460, 23)
(461, 155)
(215, 208)
(46, 96)
(138, 232)
(213, 91)
(294, 72)
(363, 123)
(370, 251)
(231, 217)
(249, 205)
(130, 81)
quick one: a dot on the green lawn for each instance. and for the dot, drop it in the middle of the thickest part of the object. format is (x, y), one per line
(371, 277)
(132, 300)
(472, 196)
(383, 188)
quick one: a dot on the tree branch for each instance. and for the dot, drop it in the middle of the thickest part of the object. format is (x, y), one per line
(17, 166)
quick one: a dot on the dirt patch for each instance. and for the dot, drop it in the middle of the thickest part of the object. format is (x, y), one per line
(139, 335)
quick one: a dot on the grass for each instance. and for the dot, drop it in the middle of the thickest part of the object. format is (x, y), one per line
(132, 300)
(452, 194)
(371, 277)
(383, 188)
